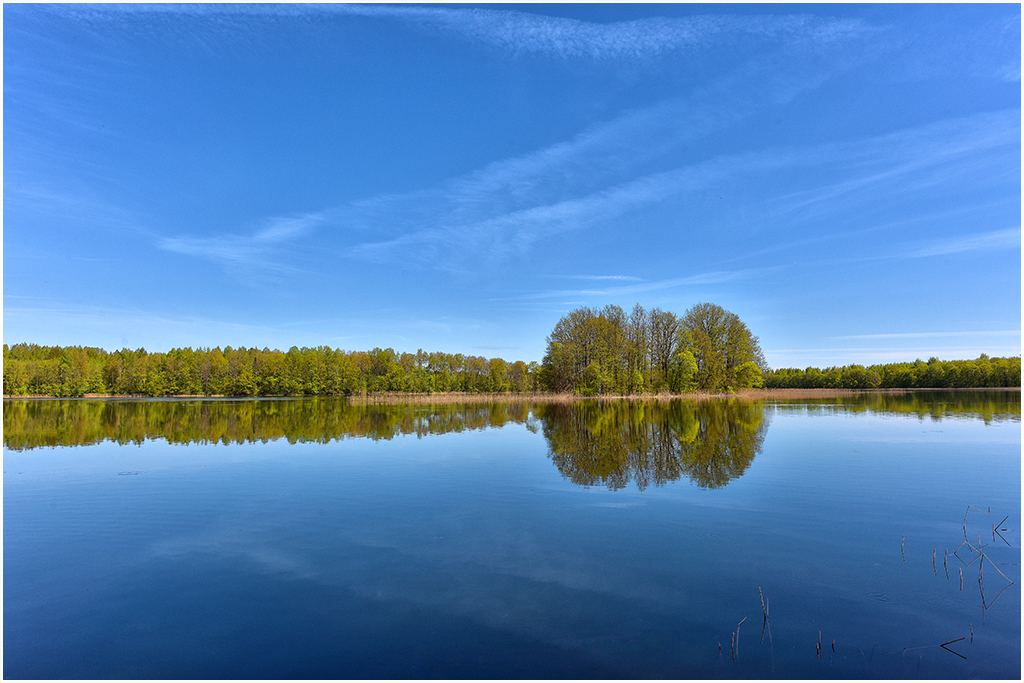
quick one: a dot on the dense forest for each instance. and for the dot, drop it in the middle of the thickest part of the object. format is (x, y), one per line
(590, 352)
(321, 371)
(935, 374)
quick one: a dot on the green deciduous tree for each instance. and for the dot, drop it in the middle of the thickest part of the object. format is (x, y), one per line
(604, 351)
(720, 343)
(682, 373)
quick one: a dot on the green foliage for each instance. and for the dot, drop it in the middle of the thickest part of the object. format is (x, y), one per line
(721, 344)
(749, 375)
(605, 351)
(682, 373)
(984, 372)
(591, 352)
(322, 371)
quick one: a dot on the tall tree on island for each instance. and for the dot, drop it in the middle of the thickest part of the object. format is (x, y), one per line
(592, 351)
(727, 355)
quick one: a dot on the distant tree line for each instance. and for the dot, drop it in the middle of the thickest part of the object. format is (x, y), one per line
(590, 352)
(935, 374)
(321, 371)
(605, 351)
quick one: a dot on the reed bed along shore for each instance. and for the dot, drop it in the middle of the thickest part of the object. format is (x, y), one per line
(511, 397)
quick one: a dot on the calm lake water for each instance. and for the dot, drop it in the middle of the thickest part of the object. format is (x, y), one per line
(310, 538)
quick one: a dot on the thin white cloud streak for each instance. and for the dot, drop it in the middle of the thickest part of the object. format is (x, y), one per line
(540, 184)
(906, 155)
(595, 160)
(997, 239)
(506, 207)
(708, 278)
(592, 161)
(970, 211)
(48, 321)
(919, 335)
(247, 253)
(830, 357)
(561, 187)
(113, 328)
(75, 206)
(525, 32)
(514, 232)
(938, 146)
(571, 38)
(625, 278)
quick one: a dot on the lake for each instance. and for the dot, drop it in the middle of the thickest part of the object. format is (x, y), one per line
(872, 536)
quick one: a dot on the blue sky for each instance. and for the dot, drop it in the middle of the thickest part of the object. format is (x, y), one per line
(845, 178)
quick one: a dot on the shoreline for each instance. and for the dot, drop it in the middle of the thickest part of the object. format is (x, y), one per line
(509, 397)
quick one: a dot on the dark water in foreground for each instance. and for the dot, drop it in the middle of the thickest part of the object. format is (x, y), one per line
(308, 538)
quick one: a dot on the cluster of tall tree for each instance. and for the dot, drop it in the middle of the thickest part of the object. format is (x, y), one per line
(74, 371)
(605, 351)
(935, 374)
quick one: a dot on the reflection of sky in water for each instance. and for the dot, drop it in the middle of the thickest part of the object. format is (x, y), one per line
(478, 533)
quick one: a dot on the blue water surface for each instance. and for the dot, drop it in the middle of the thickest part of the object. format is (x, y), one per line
(471, 555)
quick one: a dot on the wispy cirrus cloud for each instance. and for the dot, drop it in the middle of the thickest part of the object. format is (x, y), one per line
(867, 355)
(547, 183)
(504, 208)
(109, 327)
(571, 38)
(996, 239)
(258, 252)
(515, 232)
(920, 335)
(644, 286)
(606, 171)
(958, 213)
(620, 278)
(522, 32)
(880, 167)
(909, 159)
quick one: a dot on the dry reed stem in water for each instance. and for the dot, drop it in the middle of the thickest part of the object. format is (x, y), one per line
(997, 569)
(943, 646)
(994, 532)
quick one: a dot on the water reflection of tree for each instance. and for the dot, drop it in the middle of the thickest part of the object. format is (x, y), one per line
(46, 423)
(709, 442)
(992, 405)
